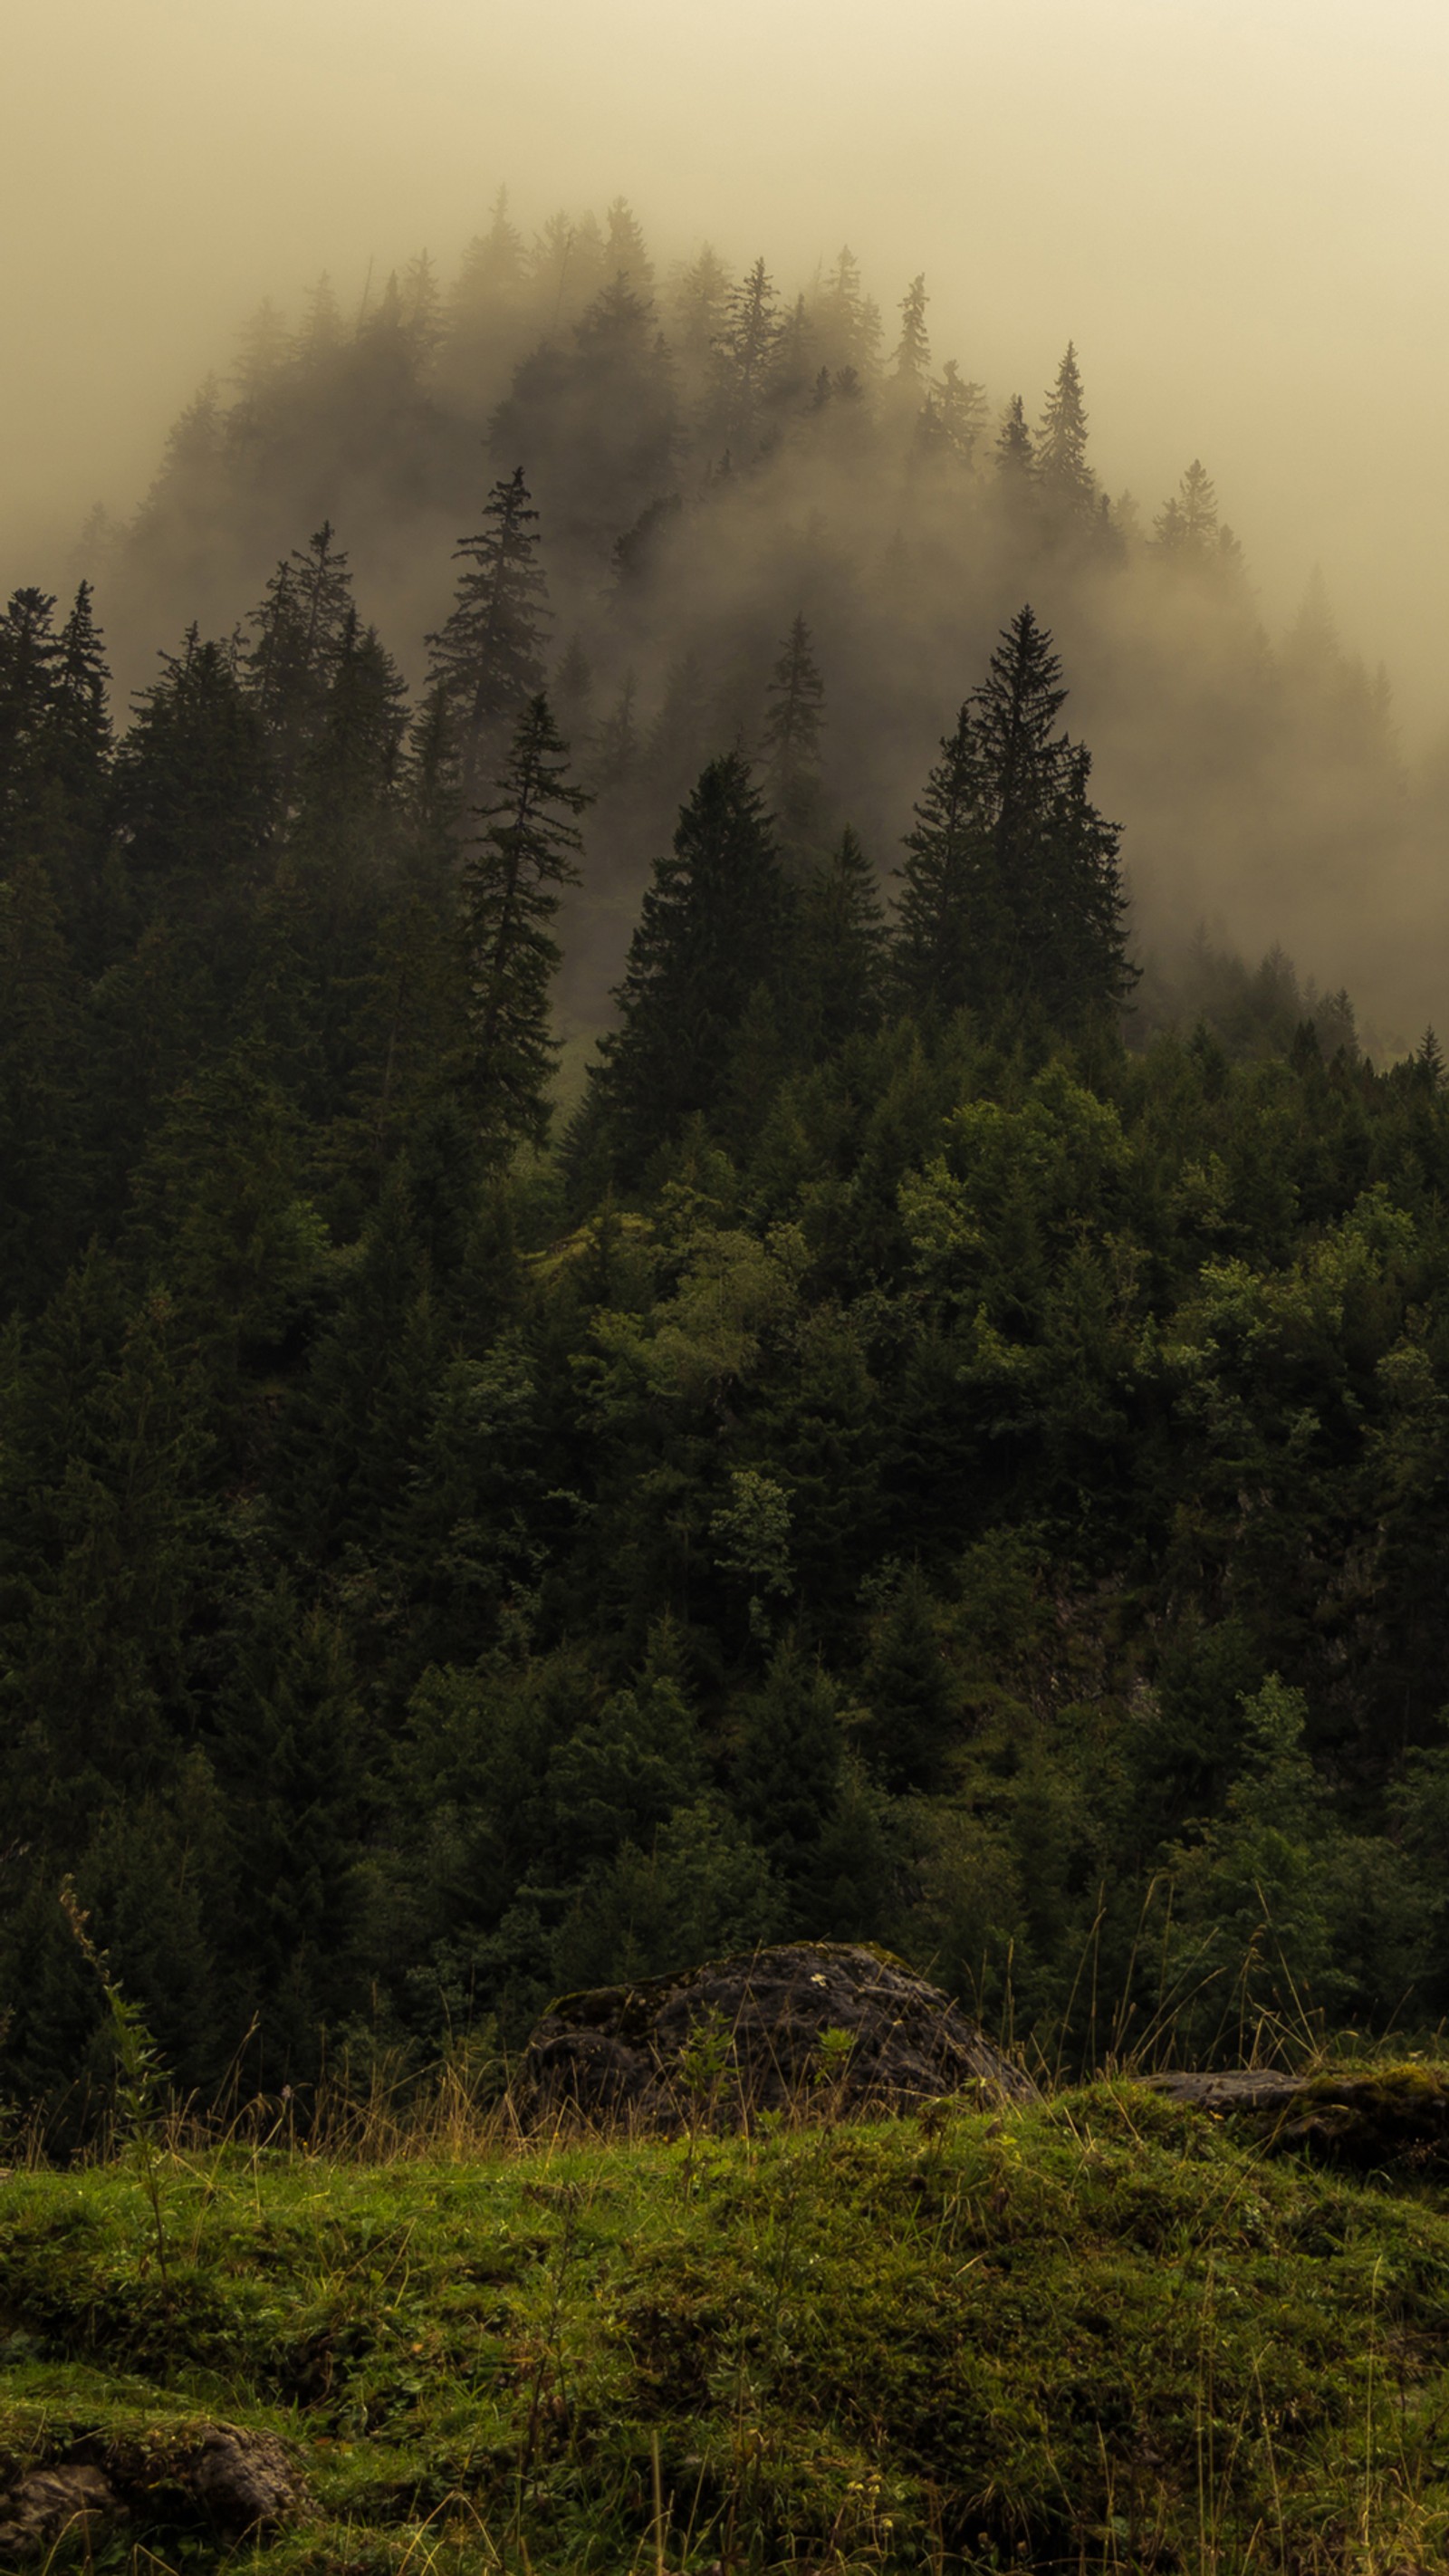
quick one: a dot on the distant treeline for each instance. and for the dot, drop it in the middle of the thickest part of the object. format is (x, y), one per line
(713, 455)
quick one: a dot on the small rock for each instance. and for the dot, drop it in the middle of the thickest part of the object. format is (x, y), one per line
(51, 2505)
(246, 2481)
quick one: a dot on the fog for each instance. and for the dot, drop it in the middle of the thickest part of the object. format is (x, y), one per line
(1237, 215)
(1236, 211)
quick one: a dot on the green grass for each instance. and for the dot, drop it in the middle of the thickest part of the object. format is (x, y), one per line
(1096, 2334)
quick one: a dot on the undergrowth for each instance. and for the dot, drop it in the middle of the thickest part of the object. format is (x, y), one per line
(1096, 2333)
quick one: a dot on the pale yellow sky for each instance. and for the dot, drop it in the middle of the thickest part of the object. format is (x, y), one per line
(1239, 213)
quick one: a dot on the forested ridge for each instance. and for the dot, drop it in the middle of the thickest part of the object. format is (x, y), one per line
(927, 1432)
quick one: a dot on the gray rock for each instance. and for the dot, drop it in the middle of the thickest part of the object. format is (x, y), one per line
(716, 2045)
(246, 2481)
(52, 2506)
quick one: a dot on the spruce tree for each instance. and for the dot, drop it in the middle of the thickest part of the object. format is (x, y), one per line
(745, 353)
(945, 892)
(709, 935)
(1015, 455)
(624, 253)
(290, 662)
(790, 740)
(1066, 479)
(493, 269)
(913, 351)
(1012, 891)
(487, 658)
(509, 898)
(29, 650)
(960, 408)
(842, 947)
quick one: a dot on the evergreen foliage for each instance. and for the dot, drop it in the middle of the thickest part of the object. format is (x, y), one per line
(486, 659)
(938, 1456)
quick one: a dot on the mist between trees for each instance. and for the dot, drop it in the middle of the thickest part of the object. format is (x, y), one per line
(712, 453)
(939, 1436)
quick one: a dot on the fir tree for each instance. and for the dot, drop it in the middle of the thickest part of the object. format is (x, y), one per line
(790, 741)
(289, 664)
(486, 659)
(624, 252)
(843, 948)
(848, 323)
(709, 933)
(1015, 455)
(912, 358)
(945, 890)
(1066, 479)
(493, 269)
(29, 652)
(510, 895)
(745, 353)
(698, 306)
(960, 408)
(1012, 891)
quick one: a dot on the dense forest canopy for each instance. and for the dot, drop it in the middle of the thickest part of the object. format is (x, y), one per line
(934, 1429)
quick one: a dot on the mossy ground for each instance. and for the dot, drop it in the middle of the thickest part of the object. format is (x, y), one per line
(1099, 2333)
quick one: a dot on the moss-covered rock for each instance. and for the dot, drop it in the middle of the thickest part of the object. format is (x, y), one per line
(802, 2024)
(1391, 2116)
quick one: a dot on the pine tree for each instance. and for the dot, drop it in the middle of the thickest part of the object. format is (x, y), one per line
(422, 319)
(1187, 530)
(745, 354)
(960, 408)
(1065, 477)
(710, 932)
(321, 335)
(77, 731)
(289, 664)
(1015, 455)
(487, 659)
(29, 650)
(698, 307)
(624, 252)
(194, 788)
(792, 367)
(913, 351)
(843, 949)
(510, 895)
(493, 271)
(790, 741)
(945, 890)
(1012, 891)
(848, 323)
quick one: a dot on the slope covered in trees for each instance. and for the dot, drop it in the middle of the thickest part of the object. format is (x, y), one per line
(715, 457)
(936, 1440)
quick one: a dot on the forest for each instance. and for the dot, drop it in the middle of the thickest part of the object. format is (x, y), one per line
(660, 1293)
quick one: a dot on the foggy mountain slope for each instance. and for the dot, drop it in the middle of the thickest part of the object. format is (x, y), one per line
(712, 456)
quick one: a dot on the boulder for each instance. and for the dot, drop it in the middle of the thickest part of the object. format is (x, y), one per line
(807, 2025)
(1373, 2115)
(51, 2511)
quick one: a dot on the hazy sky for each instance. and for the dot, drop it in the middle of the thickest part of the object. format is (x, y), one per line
(1238, 212)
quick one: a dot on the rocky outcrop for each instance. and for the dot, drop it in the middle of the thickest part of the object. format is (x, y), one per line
(828, 2025)
(1364, 2116)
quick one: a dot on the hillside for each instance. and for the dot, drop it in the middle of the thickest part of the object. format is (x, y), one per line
(1100, 2333)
